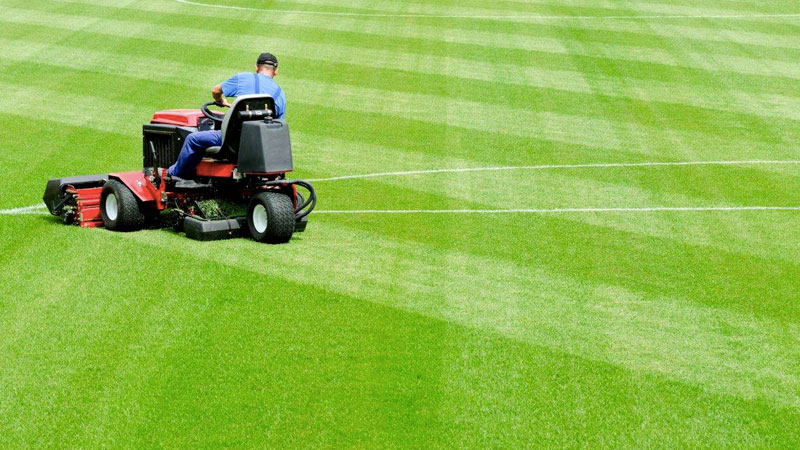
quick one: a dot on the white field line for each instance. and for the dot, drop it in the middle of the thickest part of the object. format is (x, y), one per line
(565, 210)
(38, 209)
(493, 17)
(556, 166)
(33, 209)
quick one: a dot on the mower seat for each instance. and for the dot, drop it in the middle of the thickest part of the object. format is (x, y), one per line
(232, 124)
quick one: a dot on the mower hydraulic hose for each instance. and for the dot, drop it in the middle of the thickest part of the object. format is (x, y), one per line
(308, 205)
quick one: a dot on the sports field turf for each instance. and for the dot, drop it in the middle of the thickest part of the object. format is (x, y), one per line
(638, 328)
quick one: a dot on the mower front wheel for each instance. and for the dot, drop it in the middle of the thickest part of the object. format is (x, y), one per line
(119, 208)
(270, 217)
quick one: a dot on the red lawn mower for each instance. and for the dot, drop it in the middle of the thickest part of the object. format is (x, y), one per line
(240, 187)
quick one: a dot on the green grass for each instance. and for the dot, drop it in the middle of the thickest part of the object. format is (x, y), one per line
(635, 330)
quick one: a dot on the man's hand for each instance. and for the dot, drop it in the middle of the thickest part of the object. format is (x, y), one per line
(219, 99)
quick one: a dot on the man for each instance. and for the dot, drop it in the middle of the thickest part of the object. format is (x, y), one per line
(261, 82)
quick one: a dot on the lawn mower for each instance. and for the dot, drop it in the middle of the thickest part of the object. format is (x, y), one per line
(240, 187)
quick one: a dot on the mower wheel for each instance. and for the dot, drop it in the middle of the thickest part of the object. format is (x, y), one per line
(119, 208)
(270, 217)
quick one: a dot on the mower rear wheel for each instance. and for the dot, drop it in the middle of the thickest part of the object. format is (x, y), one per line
(119, 208)
(270, 217)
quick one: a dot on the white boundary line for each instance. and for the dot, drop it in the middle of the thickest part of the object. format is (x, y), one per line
(492, 17)
(39, 209)
(33, 209)
(564, 210)
(556, 166)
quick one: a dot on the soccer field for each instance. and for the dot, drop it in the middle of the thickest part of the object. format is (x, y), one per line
(541, 223)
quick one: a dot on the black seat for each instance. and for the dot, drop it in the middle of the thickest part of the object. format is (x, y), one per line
(243, 109)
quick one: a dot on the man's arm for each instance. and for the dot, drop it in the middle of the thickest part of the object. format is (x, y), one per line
(216, 94)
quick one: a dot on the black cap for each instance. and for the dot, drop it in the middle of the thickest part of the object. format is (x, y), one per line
(268, 59)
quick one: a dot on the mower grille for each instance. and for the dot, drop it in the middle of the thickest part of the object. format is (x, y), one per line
(167, 140)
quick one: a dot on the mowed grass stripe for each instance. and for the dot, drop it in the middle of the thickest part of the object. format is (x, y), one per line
(452, 380)
(142, 339)
(774, 183)
(97, 55)
(758, 20)
(600, 187)
(599, 190)
(620, 257)
(119, 121)
(774, 26)
(423, 277)
(531, 10)
(527, 37)
(667, 8)
(65, 150)
(715, 61)
(107, 152)
(704, 93)
(553, 126)
(466, 194)
(573, 329)
(546, 38)
(728, 36)
(616, 325)
(122, 121)
(542, 7)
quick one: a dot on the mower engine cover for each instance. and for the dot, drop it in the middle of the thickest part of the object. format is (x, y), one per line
(265, 147)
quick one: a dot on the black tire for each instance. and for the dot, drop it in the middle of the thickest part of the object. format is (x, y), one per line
(270, 217)
(128, 215)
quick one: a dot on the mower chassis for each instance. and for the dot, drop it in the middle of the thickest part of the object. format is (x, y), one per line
(77, 201)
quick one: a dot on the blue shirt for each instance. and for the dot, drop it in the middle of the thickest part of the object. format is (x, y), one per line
(245, 83)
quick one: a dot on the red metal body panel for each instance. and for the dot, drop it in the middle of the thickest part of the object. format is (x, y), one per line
(180, 117)
(211, 168)
(214, 169)
(141, 187)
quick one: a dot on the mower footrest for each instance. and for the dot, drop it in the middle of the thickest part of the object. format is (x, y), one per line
(212, 230)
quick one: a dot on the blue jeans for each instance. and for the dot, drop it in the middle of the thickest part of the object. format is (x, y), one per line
(192, 153)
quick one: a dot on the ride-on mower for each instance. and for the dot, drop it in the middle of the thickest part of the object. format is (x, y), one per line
(240, 187)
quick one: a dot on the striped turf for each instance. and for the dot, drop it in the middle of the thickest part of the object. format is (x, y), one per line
(667, 329)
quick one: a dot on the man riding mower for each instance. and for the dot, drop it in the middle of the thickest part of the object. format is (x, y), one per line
(238, 185)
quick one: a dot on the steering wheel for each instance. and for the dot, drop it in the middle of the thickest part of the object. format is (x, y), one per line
(215, 116)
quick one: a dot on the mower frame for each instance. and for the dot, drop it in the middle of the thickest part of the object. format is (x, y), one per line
(266, 152)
